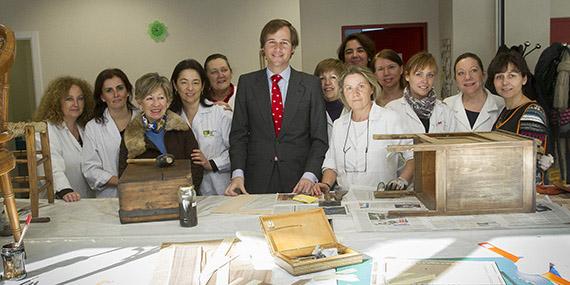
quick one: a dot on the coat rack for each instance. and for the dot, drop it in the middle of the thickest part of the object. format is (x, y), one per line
(526, 45)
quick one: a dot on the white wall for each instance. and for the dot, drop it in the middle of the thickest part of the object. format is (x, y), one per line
(321, 21)
(82, 37)
(474, 29)
(528, 20)
(559, 8)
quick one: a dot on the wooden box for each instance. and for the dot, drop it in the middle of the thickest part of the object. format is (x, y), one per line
(472, 173)
(148, 193)
(294, 235)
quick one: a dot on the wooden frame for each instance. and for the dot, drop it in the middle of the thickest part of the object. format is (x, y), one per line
(471, 173)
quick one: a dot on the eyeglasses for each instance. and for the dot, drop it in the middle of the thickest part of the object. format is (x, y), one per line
(345, 149)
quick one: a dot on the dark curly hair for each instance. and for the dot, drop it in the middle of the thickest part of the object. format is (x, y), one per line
(364, 40)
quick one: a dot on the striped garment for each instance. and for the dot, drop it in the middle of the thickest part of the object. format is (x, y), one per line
(527, 120)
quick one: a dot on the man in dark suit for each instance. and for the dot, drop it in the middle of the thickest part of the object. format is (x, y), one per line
(279, 129)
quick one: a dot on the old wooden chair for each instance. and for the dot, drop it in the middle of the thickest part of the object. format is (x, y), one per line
(7, 160)
(36, 181)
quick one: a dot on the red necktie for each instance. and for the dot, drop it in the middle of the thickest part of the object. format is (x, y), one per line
(276, 103)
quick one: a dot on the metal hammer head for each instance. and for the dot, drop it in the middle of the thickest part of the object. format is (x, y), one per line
(164, 160)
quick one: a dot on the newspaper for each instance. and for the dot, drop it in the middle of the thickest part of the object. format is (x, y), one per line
(376, 219)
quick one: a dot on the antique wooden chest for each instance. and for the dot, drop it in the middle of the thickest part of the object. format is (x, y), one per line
(472, 173)
(292, 237)
(149, 193)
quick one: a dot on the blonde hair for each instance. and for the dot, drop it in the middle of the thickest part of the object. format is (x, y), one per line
(50, 105)
(330, 64)
(149, 82)
(367, 74)
(419, 61)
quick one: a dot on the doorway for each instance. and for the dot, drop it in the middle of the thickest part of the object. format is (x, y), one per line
(560, 30)
(25, 78)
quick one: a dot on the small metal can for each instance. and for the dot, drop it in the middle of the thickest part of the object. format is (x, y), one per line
(13, 259)
(187, 206)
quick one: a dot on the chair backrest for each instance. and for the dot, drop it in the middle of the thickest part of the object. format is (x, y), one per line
(7, 54)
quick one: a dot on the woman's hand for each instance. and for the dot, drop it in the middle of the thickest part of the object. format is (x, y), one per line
(71, 197)
(199, 158)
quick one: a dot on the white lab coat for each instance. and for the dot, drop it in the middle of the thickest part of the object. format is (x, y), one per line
(381, 166)
(66, 160)
(487, 117)
(442, 119)
(330, 121)
(211, 127)
(100, 156)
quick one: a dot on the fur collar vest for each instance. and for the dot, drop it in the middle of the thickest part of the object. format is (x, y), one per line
(134, 133)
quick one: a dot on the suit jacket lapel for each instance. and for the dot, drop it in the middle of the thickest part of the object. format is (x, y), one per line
(294, 95)
(262, 97)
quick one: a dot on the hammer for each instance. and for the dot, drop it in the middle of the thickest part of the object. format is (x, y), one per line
(163, 160)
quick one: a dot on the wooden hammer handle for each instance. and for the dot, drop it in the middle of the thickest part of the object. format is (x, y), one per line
(141, 160)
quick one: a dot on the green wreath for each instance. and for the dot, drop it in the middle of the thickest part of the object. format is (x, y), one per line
(157, 31)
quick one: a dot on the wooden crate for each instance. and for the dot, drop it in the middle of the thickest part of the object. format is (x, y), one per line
(148, 193)
(472, 173)
(293, 235)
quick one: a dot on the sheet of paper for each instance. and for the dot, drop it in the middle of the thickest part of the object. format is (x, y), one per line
(247, 205)
(409, 271)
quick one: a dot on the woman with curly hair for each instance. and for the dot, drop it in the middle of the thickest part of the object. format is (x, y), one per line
(66, 107)
(357, 49)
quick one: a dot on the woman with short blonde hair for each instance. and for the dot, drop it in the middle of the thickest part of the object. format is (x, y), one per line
(156, 130)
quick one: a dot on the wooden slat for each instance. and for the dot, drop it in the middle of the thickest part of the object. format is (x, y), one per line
(428, 139)
(46, 153)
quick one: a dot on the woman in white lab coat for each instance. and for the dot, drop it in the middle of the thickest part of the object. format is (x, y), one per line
(420, 109)
(113, 111)
(329, 72)
(354, 158)
(210, 124)
(66, 106)
(476, 108)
